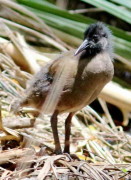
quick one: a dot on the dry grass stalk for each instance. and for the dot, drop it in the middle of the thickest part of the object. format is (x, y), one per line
(20, 14)
(107, 148)
(34, 33)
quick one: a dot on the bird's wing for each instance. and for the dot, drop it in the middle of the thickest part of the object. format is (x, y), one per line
(48, 84)
(62, 69)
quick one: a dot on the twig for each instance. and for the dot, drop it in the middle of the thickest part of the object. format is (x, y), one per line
(88, 10)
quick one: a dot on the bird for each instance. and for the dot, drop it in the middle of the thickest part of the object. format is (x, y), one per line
(90, 69)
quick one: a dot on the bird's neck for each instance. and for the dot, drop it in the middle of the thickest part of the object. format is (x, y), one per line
(90, 53)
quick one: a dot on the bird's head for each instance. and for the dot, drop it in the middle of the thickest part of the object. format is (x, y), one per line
(97, 38)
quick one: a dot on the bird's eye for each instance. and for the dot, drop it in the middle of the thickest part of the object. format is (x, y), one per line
(95, 38)
(104, 35)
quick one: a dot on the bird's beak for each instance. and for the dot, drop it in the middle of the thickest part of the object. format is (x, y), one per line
(83, 46)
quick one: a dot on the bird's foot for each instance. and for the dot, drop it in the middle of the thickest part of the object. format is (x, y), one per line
(58, 151)
(75, 157)
(72, 156)
(67, 149)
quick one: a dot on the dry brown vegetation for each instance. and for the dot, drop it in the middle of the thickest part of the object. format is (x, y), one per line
(103, 149)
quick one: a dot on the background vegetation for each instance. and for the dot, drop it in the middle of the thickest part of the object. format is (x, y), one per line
(33, 32)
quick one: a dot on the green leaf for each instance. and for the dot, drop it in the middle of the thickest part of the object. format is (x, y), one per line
(122, 47)
(125, 3)
(112, 9)
(75, 25)
(52, 9)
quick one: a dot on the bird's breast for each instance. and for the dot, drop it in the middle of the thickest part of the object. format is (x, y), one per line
(89, 80)
(99, 68)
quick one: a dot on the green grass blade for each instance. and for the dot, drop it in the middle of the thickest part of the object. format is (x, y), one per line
(52, 9)
(122, 47)
(71, 24)
(112, 9)
(125, 3)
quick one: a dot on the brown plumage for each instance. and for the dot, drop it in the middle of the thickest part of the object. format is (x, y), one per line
(89, 69)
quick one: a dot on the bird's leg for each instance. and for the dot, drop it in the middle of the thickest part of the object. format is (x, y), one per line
(55, 133)
(67, 132)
